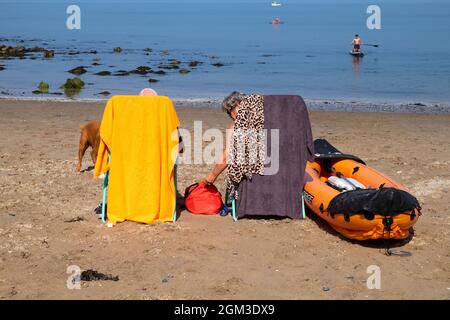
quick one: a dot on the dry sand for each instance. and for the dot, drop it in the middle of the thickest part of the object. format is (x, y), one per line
(211, 257)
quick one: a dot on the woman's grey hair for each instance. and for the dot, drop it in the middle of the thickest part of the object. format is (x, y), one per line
(231, 102)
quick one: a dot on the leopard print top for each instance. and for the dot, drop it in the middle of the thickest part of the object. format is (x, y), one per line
(247, 149)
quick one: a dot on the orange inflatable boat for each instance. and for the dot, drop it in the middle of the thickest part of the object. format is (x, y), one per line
(355, 199)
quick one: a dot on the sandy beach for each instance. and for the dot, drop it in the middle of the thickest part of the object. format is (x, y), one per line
(47, 221)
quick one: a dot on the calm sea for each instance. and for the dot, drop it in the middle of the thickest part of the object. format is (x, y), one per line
(308, 54)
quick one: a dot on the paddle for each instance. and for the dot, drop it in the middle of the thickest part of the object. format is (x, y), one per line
(372, 45)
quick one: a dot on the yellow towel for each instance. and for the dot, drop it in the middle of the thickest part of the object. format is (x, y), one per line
(141, 135)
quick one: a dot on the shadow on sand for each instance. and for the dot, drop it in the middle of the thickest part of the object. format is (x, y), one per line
(375, 244)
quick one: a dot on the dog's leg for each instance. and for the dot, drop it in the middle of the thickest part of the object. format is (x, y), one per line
(81, 150)
(95, 147)
(94, 156)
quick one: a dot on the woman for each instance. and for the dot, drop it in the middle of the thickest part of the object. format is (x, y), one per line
(231, 106)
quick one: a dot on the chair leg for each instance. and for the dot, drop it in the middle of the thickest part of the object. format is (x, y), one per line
(175, 168)
(303, 206)
(105, 192)
(233, 209)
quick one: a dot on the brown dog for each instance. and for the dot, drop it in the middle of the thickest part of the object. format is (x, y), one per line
(90, 137)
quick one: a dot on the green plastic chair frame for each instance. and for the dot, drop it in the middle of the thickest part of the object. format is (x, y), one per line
(233, 208)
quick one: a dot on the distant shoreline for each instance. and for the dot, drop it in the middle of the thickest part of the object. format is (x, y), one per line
(333, 105)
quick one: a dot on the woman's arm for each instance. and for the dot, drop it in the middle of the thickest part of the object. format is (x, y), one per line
(221, 165)
(216, 171)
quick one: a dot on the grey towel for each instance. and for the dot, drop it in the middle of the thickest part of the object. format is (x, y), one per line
(280, 194)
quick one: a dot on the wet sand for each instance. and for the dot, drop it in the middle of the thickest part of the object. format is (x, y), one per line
(212, 257)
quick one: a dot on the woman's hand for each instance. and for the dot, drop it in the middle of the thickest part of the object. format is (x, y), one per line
(209, 179)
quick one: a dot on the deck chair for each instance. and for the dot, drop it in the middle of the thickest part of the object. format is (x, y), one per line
(233, 207)
(138, 156)
(105, 193)
(289, 136)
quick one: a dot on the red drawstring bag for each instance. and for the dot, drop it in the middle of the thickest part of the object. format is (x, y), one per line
(201, 198)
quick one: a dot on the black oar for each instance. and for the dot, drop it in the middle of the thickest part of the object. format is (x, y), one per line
(372, 45)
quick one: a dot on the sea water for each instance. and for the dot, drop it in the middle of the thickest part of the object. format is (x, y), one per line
(308, 54)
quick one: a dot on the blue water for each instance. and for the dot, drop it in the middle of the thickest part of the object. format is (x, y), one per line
(306, 55)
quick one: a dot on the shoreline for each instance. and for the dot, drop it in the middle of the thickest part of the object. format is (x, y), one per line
(326, 105)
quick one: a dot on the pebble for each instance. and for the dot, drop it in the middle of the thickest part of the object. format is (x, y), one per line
(167, 278)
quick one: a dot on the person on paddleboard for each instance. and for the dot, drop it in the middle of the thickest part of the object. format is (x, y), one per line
(357, 42)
